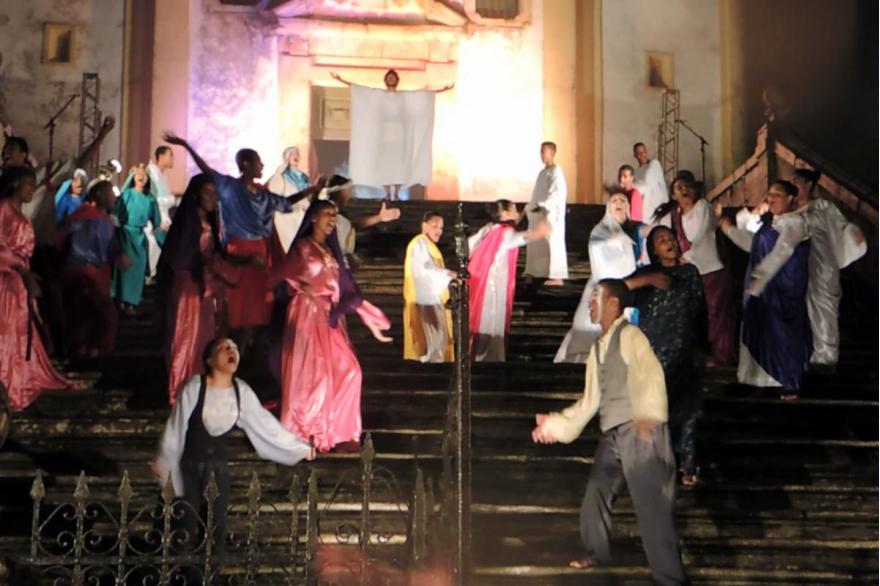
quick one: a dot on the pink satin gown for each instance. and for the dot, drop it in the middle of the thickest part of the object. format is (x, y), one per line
(320, 374)
(195, 314)
(24, 377)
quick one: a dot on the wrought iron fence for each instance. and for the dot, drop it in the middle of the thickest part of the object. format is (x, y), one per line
(128, 538)
(135, 539)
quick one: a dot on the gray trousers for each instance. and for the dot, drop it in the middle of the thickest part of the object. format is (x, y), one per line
(648, 469)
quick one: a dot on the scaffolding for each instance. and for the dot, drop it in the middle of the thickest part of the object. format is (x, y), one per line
(667, 152)
(90, 116)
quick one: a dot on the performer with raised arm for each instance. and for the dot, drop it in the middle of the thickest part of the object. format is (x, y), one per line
(547, 258)
(834, 244)
(776, 342)
(135, 209)
(625, 385)
(391, 134)
(492, 266)
(247, 210)
(615, 247)
(427, 324)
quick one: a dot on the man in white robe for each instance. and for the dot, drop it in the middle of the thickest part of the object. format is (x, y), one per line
(159, 188)
(548, 259)
(650, 181)
(391, 135)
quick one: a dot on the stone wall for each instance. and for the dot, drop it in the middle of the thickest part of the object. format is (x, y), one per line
(31, 91)
(690, 31)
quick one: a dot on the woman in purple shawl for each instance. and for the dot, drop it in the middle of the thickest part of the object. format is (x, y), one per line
(319, 372)
(193, 272)
(776, 338)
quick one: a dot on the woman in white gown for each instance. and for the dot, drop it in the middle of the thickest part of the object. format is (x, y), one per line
(615, 246)
(288, 180)
(834, 244)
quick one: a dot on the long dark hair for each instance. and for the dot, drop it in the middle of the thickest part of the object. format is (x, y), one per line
(668, 206)
(811, 176)
(181, 250)
(649, 243)
(12, 178)
(496, 208)
(350, 296)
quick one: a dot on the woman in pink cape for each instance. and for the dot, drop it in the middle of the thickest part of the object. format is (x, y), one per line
(492, 267)
(25, 368)
(320, 374)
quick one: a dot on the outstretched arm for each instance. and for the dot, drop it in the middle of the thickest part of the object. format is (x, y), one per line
(385, 214)
(172, 138)
(308, 191)
(338, 78)
(89, 152)
(445, 88)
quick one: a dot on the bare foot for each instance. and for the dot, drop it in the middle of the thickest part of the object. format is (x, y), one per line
(554, 283)
(788, 396)
(581, 564)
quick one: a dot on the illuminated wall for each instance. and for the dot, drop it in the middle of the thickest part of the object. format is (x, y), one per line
(250, 84)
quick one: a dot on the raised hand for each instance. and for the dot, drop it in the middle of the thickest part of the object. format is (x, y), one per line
(171, 138)
(387, 214)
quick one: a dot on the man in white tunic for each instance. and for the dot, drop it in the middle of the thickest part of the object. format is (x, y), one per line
(547, 259)
(159, 188)
(427, 324)
(649, 181)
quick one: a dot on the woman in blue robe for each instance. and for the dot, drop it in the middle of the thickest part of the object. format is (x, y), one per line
(69, 195)
(135, 208)
(776, 341)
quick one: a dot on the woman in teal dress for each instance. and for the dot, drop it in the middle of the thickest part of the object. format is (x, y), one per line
(134, 209)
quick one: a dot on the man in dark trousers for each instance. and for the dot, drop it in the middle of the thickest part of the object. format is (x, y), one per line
(625, 384)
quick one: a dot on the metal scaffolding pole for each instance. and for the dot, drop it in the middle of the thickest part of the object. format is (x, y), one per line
(90, 117)
(667, 152)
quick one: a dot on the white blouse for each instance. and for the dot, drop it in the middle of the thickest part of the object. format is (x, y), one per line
(219, 415)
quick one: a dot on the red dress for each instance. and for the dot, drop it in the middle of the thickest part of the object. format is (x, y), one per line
(25, 368)
(320, 374)
(196, 309)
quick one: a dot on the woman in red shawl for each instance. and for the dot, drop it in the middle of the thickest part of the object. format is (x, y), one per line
(494, 252)
(25, 369)
(193, 272)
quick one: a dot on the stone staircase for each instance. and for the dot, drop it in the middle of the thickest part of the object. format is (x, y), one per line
(788, 492)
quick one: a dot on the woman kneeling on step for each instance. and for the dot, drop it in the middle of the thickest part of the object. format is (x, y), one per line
(195, 440)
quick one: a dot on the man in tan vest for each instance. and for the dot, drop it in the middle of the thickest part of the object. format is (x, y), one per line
(625, 384)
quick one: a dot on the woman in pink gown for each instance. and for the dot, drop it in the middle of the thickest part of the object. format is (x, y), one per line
(320, 374)
(192, 275)
(25, 369)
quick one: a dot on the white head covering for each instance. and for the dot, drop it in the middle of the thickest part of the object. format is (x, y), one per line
(276, 183)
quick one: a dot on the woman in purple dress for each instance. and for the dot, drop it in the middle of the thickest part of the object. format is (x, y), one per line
(776, 339)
